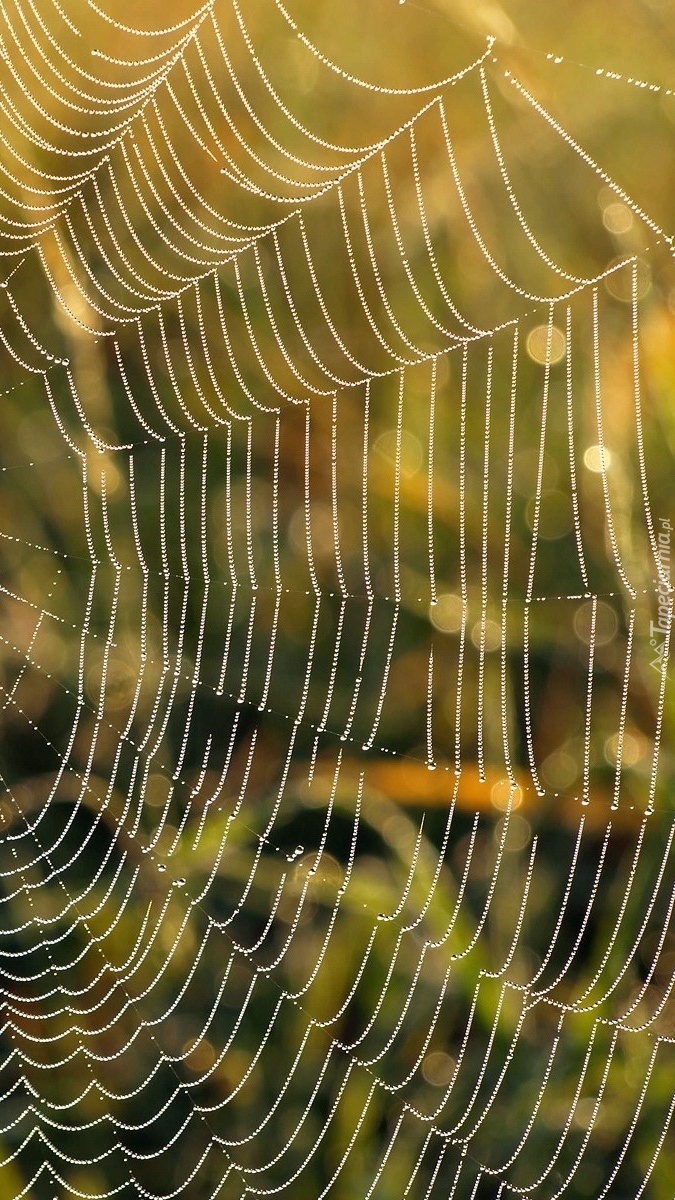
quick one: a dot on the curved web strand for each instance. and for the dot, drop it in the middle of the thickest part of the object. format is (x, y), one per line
(336, 849)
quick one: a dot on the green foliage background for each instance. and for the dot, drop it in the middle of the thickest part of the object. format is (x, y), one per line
(112, 1030)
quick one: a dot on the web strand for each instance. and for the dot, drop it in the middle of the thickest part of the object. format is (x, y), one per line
(336, 842)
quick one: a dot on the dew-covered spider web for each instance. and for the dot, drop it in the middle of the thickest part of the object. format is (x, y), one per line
(338, 435)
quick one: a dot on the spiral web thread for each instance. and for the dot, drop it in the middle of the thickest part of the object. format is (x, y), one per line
(281, 568)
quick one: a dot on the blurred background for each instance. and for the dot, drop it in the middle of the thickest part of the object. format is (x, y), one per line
(337, 448)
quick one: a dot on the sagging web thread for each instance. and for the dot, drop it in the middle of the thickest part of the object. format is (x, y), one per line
(316, 552)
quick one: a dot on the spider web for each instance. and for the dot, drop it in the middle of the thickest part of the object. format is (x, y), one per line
(336, 848)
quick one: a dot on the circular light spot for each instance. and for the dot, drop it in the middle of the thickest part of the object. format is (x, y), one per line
(321, 531)
(607, 196)
(326, 870)
(619, 283)
(113, 478)
(505, 795)
(559, 770)
(157, 790)
(632, 750)
(113, 682)
(555, 515)
(103, 474)
(198, 1055)
(490, 634)
(446, 614)
(595, 457)
(409, 450)
(584, 1111)
(438, 1068)
(606, 623)
(617, 218)
(518, 833)
(546, 344)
